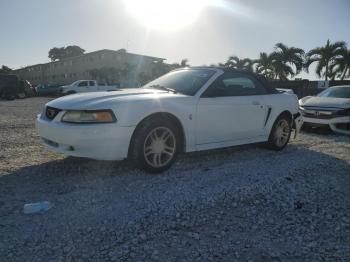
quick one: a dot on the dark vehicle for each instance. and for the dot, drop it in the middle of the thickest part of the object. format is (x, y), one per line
(9, 86)
(26, 88)
(47, 89)
(12, 87)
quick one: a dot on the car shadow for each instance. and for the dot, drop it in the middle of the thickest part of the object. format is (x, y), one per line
(89, 193)
(63, 176)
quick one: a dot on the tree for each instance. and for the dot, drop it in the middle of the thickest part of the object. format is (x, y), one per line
(341, 66)
(237, 63)
(59, 53)
(287, 61)
(183, 63)
(264, 65)
(5, 70)
(325, 56)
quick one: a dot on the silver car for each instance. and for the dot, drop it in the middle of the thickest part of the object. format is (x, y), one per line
(330, 108)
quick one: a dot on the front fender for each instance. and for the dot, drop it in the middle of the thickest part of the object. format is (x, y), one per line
(297, 124)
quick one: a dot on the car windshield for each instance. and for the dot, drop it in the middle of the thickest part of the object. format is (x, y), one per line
(336, 92)
(187, 81)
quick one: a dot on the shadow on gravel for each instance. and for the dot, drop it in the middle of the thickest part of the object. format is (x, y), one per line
(95, 202)
(60, 177)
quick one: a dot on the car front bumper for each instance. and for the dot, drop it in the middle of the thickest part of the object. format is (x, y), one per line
(337, 124)
(96, 141)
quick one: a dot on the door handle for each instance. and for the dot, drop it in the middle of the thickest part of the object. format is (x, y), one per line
(256, 103)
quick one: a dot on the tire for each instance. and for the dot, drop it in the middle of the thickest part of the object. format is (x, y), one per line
(280, 133)
(70, 93)
(21, 95)
(155, 145)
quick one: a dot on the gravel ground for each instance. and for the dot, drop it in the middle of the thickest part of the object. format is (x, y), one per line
(239, 204)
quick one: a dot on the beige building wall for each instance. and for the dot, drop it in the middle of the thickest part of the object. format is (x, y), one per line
(69, 70)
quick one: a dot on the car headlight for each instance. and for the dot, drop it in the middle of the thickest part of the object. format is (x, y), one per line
(89, 116)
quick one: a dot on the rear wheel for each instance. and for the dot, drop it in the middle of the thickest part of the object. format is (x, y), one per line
(156, 145)
(280, 133)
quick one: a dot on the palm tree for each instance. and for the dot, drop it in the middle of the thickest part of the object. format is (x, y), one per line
(325, 56)
(341, 66)
(236, 62)
(183, 63)
(264, 65)
(287, 61)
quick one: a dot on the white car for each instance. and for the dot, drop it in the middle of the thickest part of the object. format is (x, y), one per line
(82, 86)
(186, 110)
(329, 108)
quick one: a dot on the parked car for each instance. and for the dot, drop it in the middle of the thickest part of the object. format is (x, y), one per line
(185, 110)
(26, 87)
(47, 89)
(12, 87)
(81, 86)
(8, 86)
(330, 108)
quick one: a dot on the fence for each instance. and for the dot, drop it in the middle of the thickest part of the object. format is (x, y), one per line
(305, 87)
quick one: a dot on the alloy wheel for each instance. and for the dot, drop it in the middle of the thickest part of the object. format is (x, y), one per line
(159, 147)
(282, 133)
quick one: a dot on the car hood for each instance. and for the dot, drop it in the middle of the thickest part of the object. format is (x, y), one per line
(99, 100)
(331, 102)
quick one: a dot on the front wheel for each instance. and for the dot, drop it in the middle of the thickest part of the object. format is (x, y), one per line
(280, 133)
(156, 145)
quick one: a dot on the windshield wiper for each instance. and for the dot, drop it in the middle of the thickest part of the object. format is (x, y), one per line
(163, 88)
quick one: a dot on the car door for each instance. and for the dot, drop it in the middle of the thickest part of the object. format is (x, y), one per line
(83, 86)
(93, 86)
(232, 108)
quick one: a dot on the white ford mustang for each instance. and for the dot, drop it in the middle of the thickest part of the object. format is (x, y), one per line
(185, 110)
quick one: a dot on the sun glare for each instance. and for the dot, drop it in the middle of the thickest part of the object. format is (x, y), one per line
(165, 14)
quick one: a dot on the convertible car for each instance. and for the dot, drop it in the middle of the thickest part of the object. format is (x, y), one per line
(186, 110)
(329, 108)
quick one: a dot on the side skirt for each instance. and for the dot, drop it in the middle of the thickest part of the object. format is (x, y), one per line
(230, 143)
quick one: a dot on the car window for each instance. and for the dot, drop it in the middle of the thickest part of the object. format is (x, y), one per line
(234, 85)
(91, 83)
(187, 81)
(84, 83)
(336, 92)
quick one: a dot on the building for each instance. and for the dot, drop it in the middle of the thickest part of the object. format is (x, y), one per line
(68, 70)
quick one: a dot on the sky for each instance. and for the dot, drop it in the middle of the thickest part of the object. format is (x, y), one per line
(203, 31)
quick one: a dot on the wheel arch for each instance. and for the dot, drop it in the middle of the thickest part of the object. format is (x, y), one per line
(286, 113)
(160, 115)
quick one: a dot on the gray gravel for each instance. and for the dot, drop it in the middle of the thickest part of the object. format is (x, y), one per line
(239, 204)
